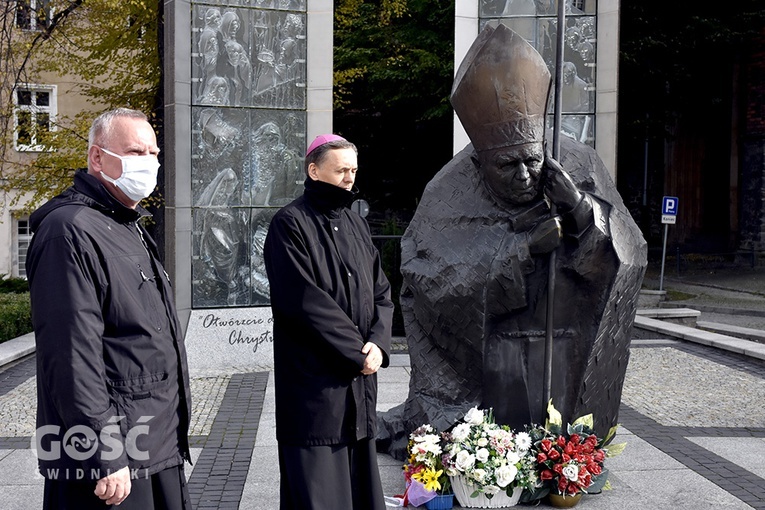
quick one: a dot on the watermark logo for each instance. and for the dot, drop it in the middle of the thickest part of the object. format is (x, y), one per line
(81, 442)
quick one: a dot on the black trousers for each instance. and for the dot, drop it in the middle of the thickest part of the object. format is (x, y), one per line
(165, 490)
(338, 477)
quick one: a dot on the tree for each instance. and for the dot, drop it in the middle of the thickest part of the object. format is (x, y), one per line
(107, 49)
(393, 66)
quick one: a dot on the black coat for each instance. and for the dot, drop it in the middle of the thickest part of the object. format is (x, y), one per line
(329, 296)
(108, 340)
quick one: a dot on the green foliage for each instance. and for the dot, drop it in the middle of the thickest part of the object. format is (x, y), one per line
(13, 285)
(15, 315)
(393, 71)
(393, 53)
(107, 50)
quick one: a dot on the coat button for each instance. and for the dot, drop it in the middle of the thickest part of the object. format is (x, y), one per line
(335, 229)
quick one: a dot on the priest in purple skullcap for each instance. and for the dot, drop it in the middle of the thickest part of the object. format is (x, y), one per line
(475, 262)
(332, 332)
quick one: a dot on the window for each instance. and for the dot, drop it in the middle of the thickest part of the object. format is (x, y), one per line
(21, 237)
(33, 14)
(34, 116)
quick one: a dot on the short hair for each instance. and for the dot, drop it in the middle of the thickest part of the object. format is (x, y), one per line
(102, 126)
(318, 155)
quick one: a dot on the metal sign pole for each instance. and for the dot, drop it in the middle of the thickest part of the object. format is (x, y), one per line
(669, 207)
(663, 258)
(560, 34)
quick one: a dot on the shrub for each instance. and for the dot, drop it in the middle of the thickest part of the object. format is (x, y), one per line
(13, 285)
(15, 315)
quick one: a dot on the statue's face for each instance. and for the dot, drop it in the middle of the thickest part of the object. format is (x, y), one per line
(213, 18)
(569, 73)
(513, 174)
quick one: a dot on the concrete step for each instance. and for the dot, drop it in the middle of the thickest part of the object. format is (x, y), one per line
(686, 316)
(755, 335)
(655, 328)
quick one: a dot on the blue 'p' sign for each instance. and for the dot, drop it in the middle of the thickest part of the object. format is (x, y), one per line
(669, 205)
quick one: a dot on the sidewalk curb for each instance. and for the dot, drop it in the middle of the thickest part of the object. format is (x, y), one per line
(16, 348)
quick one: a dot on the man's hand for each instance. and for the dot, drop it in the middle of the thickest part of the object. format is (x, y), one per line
(113, 489)
(559, 187)
(373, 360)
(545, 236)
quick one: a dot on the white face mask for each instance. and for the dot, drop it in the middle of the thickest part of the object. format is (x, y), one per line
(139, 175)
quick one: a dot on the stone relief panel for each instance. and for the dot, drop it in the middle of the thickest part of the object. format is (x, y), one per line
(220, 252)
(257, 281)
(248, 140)
(279, 53)
(274, 174)
(220, 140)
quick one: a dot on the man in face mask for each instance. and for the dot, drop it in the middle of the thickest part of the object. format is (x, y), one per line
(113, 399)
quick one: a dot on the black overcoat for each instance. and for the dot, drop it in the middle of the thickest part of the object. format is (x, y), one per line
(329, 297)
(111, 362)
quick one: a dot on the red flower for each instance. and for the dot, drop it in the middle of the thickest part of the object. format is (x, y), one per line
(546, 445)
(594, 468)
(541, 458)
(561, 441)
(546, 475)
(554, 455)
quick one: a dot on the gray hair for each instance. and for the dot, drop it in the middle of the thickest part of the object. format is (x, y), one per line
(318, 155)
(102, 126)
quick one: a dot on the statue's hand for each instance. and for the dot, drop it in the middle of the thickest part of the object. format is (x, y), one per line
(559, 187)
(545, 236)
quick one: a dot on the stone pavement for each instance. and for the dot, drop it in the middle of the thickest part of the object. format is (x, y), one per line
(692, 416)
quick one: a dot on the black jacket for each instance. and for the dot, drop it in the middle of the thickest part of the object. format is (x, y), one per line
(329, 296)
(112, 378)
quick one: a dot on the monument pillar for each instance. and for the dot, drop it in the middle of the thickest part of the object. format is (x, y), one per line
(243, 92)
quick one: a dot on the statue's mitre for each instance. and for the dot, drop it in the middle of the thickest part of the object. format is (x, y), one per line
(500, 90)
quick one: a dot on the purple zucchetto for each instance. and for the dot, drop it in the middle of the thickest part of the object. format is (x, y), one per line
(321, 140)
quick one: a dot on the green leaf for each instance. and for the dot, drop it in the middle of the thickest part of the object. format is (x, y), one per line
(585, 421)
(610, 436)
(613, 450)
(553, 416)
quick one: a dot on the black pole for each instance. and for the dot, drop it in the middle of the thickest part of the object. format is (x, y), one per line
(560, 33)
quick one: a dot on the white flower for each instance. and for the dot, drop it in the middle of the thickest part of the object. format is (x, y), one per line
(512, 457)
(461, 432)
(506, 474)
(479, 475)
(482, 455)
(465, 460)
(523, 441)
(474, 416)
(491, 489)
(571, 472)
(482, 441)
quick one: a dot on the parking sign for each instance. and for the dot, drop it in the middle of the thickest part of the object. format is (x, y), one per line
(669, 207)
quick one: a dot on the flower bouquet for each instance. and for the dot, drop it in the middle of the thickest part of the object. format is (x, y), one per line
(489, 465)
(424, 471)
(571, 463)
